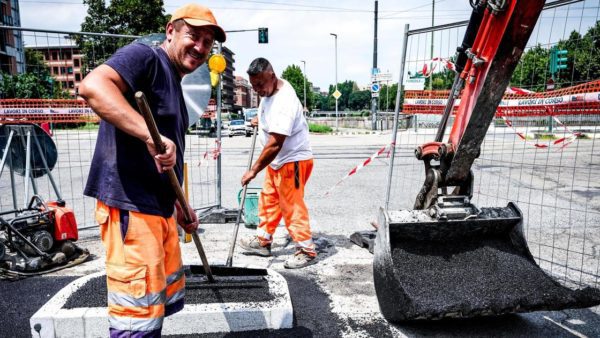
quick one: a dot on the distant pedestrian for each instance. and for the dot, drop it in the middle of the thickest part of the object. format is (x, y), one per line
(288, 157)
(135, 201)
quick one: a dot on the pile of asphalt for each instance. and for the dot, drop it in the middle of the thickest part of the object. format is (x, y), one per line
(476, 277)
(93, 293)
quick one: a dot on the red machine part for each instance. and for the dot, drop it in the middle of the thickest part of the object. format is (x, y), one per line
(475, 72)
(65, 227)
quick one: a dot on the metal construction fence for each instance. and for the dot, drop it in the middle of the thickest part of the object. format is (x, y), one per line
(61, 64)
(540, 152)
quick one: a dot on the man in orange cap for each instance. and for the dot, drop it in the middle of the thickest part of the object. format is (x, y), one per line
(135, 203)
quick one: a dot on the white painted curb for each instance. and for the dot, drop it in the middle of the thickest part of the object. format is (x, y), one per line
(51, 320)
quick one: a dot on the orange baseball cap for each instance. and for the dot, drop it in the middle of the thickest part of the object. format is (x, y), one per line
(197, 15)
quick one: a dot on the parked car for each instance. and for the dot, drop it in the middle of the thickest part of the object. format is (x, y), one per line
(249, 114)
(237, 127)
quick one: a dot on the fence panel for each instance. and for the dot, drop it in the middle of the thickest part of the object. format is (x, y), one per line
(540, 152)
(59, 65)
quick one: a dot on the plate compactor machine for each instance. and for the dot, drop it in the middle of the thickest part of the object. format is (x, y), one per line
(38, 238)
(448, 258)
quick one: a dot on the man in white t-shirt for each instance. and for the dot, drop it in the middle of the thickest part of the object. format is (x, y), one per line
(287, 155)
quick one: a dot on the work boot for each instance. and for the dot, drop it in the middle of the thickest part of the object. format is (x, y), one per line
(255, 245)
(301, 259)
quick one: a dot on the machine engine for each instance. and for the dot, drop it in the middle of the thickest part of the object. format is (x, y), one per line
(37, 237)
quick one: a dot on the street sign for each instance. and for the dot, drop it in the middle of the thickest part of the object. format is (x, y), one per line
(375, 88)
(417, 83)
(336, 94)
(382, 77)
(374, 94)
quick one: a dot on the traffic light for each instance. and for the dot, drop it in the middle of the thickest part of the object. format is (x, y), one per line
(263, 35)
(558, 60)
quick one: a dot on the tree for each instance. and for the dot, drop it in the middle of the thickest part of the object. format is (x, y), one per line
(294, 76)
(35, 83)
(128, 17)
(359, 100)
(583, 62)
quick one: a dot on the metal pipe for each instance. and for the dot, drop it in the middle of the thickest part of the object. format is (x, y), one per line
(219, 105)
(396, 113)
(336, 83)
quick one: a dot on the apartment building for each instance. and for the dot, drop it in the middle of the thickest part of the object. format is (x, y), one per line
(12, 55)
(65, 65)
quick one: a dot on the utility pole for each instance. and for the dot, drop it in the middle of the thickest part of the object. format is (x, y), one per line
(431, 53)
(336, 83)
(373, 72)
(304, 76)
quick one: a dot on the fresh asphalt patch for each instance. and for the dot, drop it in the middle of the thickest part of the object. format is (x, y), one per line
(21, 299)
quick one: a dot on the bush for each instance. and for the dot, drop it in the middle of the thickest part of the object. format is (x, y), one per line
(365, 113)
(317, 128)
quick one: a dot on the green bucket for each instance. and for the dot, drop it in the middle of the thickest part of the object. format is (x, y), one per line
(250, 206)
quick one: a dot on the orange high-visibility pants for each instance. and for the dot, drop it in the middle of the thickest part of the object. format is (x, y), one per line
(283, 196)
(144, 273)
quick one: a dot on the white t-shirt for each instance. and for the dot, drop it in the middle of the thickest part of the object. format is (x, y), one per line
(281, 113)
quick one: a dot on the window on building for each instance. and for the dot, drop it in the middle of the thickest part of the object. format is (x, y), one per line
(70, 70)
(77, 77)
(55, 70)
(71, 84)
(63, 70)
(54, 56)
(76, 62)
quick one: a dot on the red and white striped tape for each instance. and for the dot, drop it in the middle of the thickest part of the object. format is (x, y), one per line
(427, 71)
(366, 162)
(563, 141)
(211, 154)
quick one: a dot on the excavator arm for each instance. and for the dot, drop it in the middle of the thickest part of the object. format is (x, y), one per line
(448, 258)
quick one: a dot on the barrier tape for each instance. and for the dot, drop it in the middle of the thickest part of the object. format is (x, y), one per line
(211, 154)
(428, 71)
(366, 162)
(563, 141)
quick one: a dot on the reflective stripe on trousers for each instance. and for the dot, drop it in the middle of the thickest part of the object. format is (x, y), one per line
(282, 195)
(144, 273)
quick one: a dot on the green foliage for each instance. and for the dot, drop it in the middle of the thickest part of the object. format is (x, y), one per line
(128, 17)
(294, 76)
(359, 100)
(317, 128)
(441, 80)
(583, 62)
(30, 86)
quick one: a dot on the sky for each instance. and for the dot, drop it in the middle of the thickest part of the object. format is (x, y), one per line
(298, 30)
(301, 30)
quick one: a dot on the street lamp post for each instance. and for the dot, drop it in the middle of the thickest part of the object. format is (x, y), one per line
(304, 71)
(336, 82)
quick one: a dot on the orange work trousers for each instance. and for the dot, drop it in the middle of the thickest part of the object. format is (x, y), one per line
(145, 277)
(283, 196)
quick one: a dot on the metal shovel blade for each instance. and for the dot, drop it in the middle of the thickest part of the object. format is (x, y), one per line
(429, 269)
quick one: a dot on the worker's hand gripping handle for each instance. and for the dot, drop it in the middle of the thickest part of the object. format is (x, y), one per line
(160, 148)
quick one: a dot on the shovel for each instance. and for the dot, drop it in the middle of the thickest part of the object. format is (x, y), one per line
(160, 148)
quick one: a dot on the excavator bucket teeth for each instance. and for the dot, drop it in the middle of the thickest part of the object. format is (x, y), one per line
(429, 269)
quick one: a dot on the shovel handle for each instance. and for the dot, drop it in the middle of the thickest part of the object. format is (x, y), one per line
(140, 98)
(236, 229)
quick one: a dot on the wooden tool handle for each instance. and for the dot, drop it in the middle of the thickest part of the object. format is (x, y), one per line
(160, 148)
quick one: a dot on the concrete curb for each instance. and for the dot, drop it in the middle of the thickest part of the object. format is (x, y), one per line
(356, 133)
(51, 320)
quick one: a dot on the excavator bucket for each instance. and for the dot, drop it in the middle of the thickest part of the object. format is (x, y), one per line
(447, 258)
(425, 268)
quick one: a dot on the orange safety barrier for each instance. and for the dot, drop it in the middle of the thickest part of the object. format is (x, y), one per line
(583, 99)
(16, 111)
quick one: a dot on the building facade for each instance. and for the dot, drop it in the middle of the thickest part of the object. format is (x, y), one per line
(65, 65)
(228, 82)
(245, 96)
(12, 55)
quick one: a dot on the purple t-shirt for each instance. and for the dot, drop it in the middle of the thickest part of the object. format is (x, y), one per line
(123, 174)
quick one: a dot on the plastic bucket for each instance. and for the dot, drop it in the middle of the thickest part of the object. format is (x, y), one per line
(250, 206)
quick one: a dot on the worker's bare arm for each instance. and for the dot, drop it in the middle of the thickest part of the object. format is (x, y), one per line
(268, 154)
(103, 90)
